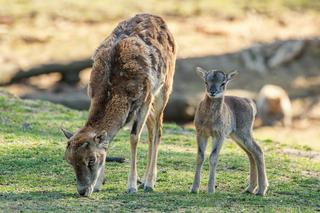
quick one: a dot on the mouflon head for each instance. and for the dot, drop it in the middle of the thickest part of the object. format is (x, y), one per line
(215, 81)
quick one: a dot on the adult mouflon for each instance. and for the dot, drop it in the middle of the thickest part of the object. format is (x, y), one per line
(131, 79)
(220, 116)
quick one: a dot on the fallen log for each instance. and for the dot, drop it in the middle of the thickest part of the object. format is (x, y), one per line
(69, 71)
(259, 59)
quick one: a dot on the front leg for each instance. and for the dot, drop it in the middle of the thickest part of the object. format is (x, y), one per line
(202, 144)
(216, 147)
(134, 139)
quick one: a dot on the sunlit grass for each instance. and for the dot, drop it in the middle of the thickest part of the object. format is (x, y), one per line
(34, 177)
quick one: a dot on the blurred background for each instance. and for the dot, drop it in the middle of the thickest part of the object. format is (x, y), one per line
(45, 50)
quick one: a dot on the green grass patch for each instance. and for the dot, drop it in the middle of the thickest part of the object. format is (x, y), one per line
(34, 177)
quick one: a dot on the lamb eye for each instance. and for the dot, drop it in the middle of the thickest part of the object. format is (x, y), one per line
(222, 85)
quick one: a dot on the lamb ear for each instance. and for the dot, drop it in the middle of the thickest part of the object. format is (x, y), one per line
(202, 72)
(101, 138)
(231, 75)
(66, 133)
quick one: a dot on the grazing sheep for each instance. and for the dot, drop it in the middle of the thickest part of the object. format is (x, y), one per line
(131, 79)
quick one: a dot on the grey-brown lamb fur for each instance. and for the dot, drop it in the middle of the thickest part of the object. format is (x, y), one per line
(219, 117)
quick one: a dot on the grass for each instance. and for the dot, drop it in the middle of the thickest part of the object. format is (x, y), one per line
(34, 177)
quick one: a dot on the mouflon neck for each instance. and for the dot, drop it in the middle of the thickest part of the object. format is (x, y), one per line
(215, 103)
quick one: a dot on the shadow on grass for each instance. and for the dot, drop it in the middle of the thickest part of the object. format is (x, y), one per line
(167, 201)
(35, 195)
(296, 191)
(186, 200)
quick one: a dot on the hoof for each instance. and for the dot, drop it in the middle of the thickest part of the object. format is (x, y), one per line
(139, 181)
(211, 191)
(260, 193)
(247, 192)
(194, 191)
(132, 191)
(141, 186)
(148, 189)
(96, 190)
(250, 190)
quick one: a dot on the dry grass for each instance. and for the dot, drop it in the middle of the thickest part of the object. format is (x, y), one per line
(34, 32)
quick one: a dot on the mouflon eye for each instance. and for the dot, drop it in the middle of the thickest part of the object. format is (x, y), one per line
(223, 84)
(91, 162)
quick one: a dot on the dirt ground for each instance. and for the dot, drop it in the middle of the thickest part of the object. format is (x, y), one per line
(308, 136)
(25, 44)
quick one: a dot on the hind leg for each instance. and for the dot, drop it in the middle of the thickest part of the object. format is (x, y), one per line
(254, 149)
(253, 181)
(151, 176)
(154, 121)
(262, 176)
(150, 128)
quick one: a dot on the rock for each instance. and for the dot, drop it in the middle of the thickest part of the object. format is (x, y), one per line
(254, 59)
(286, 53)
(181, 107)
(262, 58)
(69, 96)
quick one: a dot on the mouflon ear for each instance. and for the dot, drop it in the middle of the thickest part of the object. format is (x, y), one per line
(101, 138)
(231, 75)
(66, 133)
(202, 72)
